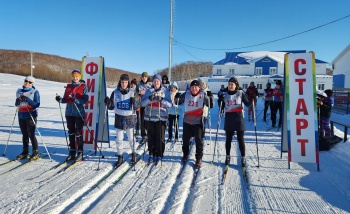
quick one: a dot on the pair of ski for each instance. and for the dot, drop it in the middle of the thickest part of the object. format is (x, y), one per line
(115, 167)
(26, 162)
(244, 173)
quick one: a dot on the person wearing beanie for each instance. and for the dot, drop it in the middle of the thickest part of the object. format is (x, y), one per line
(203, 87)
(234, 121)
(252, 93)
(143, 86)
(326, 104)
(27, 102)
(173, 114)
(268, 96)
(165, 81)
(277, 103)
(75, 96)
(194, 101)
(123, 102)
(156, 100)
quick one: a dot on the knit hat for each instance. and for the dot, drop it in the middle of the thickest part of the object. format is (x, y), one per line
(157, 76)
(30, 79)
(124, 77)
(235, 81)
(278, 82)
(252, 83)
(195, 82)
(268, 84)
(202, 84)
(174, 84)
(329, 92)
(133, 81)
(165, 77)
(76, 72)
(321, 93)
(144, 74)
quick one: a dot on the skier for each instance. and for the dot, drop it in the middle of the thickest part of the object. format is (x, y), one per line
(122, 101)
(75, 96)
(27, 101)
(156, 101)
(326, 112)
(277, 103)
(252, 93)
(268, 95)
(234, 99)
(195, 100)
(165, 82)
(173, 114)
(203, 87)
(143, 86)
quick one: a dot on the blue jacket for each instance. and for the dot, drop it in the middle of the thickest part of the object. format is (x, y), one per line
(71, 108)
(34, 103)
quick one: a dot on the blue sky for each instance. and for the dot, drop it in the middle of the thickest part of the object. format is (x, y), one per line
(133, 35)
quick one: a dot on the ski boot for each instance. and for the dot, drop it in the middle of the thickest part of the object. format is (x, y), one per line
(119, 161)
(184, 158)
(227, 161)
(157, 160)
(133, 158)
(35, 155)
(71, 155)
(23, 155)
(243, 161)
(79, 156)
(198, 163)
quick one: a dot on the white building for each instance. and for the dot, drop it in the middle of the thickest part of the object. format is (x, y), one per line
(261, 67)
(341, 69)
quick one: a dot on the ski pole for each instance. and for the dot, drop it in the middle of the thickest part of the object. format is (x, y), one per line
(64, 127)
(176, 126)
(94, 139)
(209, 123)
(13, 122)
(256, 136)
(103, 129)
(217, 130)
(38, 133)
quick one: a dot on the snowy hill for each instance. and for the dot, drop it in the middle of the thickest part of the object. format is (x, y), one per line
(273, 188)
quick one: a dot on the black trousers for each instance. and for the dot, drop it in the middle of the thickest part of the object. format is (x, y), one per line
(266, 106)
(240, 139)
(156, 136)
(173, 120)
(27, 127)
(75, 130)
(189, 131)
(277, 106)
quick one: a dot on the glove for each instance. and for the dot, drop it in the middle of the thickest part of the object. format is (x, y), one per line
(151, 97)
(209, 94)
(18, 99)
(158, 98)
(72, 99)
(23, 98)
(58, 98)
(177, 95)
(107, 101)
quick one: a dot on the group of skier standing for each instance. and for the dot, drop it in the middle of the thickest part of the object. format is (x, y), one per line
(156, 106)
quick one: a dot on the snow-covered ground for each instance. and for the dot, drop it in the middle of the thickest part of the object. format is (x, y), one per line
(273, 188)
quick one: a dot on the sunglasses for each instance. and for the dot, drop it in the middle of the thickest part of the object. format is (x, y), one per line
(28, 81)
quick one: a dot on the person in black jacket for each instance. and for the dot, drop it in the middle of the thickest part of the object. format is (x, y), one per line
(234, 99)
(325, 112)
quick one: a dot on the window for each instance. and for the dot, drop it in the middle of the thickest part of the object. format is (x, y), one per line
(258, 70)
(273, 70)
(321, 87)
(232, 71)
(259, 86)
(245, 86)
(266, 60)
(218, 71)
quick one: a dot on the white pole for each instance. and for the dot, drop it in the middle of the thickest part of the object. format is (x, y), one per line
(170, 39)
